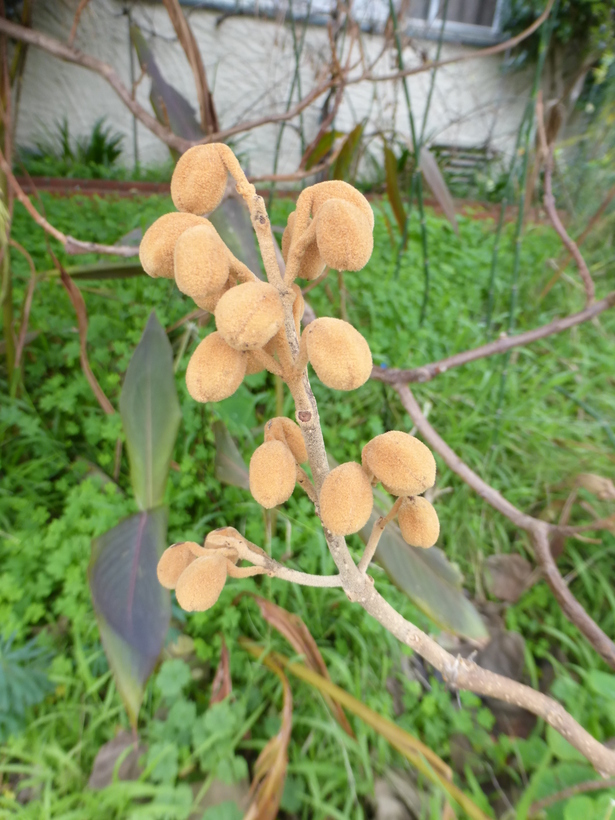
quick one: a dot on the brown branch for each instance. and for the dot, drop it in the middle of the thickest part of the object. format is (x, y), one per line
(73, 55)
(538, 531)
(71, 245)
(547, 151)
(580, 788)
(76, 19)
(563, 263)
(25, 314)
(82, 322)
(427, 372)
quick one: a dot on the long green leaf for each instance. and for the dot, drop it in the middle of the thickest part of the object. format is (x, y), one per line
(150, 414)
(132, 609)
(392, 186)
(344, 161)
(321, 149)
(426, 577)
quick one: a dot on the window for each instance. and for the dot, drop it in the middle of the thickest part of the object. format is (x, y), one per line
(466, 20)
(469, 21)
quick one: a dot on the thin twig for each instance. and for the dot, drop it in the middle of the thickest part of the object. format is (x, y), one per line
(304, 482)
(580, 788)
(25, 313)
(562, 264)
(538, 531)
(71, 245)
(76, 19)
(427, 372)
(374, 538)
(549, 203)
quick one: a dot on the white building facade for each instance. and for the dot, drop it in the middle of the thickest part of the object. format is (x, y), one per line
(247, 50)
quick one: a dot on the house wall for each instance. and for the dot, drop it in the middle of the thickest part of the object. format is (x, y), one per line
(249, 63)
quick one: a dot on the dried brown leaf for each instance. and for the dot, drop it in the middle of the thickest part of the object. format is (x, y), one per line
(78, 302)
(434, 179)
(222, 685)
(297, 634)
(125, 746)
(270, 767)
(603, 488)
(507, 576)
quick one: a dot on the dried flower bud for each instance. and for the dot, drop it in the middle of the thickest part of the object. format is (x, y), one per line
(158, 244)
(215, 370)
(199, 180)
(286, 431)
(343, 235)
(346, 499)
(273, 474)
(403, 464)
(337, 189)
(249, 315)
(200, 584)
(418, 522)
(312, 264)
(174, 561)
(338, 353)
(201, 262)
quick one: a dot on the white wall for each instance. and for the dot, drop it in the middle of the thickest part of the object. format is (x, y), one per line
(249, 63)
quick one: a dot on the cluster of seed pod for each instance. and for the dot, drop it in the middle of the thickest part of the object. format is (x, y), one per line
(332, 226)
(198, 574)
(401, 463)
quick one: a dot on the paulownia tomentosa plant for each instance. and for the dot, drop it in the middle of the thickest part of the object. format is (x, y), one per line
(258, 327)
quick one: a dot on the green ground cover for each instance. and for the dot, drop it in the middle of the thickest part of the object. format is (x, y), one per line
(56, 494)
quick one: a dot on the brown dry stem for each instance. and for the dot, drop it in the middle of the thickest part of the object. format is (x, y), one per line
(547, 150)
(374, 538)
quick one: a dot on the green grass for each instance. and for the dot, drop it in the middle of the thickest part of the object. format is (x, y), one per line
(55, 496)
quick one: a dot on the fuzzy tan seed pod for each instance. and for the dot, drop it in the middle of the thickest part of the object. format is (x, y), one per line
(338, 353)
(298, 307)
(273, 474)
(215, 370)
(200, 584)
(201, 262)
(337, 189)
(174, 561)
(403, 464)
(286, 431)
(209, 303)
(249, 315)
(158, 244)
(344, 237)
(199, 180)
(418, 522)
(312, 264)
(346, 499)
